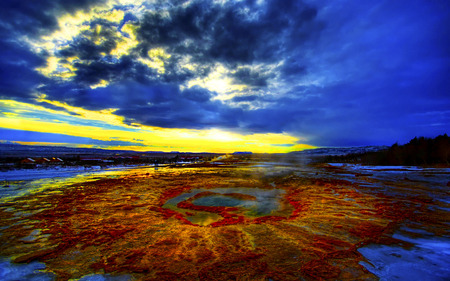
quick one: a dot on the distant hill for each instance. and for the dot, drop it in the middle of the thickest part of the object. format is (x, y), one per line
(18, 150)
(339, 151)
(417, 152)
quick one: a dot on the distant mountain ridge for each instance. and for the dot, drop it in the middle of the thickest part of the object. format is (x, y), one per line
(19, 150)
(40, 150)
(14, 150)
(338, 151)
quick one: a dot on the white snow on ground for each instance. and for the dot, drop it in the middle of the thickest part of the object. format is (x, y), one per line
(429, 260)
(54, 172)
(34, 272)
(31, 271)
(367, 167)
(393, 168)
(33, 174)
(21, 182)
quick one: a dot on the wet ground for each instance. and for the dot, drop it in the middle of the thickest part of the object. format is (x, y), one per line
(239, 221)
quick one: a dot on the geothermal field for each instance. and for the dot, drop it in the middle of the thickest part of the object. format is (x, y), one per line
(253, 219)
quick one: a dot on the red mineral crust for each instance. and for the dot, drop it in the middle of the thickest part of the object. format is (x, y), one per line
(228, 213)
(119, 226)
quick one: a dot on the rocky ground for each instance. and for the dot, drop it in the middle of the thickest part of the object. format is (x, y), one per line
(327, 226)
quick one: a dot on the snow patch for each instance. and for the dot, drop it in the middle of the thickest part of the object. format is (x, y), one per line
(429, 259)
(32, 271)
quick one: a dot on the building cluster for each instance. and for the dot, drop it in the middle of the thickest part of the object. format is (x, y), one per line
(36, 162)
(33, 162)
(41, 161)
(30, 159)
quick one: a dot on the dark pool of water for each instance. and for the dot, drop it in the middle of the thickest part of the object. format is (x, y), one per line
(255, 202)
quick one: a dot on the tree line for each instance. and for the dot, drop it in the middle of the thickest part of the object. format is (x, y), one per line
(419, 151)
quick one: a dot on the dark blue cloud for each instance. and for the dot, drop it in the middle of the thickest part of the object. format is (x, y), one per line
(337, 73)
(197, 94)
(166, 106)
(250, 77)
(84, 48)
(211, 32)
(38, 17)
(382, 72)
(18, 78)
(248, 98)
(17, 61)
(28, 136)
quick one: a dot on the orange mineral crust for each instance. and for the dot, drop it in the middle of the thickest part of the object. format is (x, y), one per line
(206, 224)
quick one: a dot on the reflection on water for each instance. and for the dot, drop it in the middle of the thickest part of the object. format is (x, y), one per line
(250, 202)
(23, 182)
(204, 218)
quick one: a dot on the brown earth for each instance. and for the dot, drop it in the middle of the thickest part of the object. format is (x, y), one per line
(118, 226)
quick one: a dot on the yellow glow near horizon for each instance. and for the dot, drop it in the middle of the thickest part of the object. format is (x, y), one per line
(66, 144)
(105, 125)
(142, 138)
(105, 115)
(151, 140)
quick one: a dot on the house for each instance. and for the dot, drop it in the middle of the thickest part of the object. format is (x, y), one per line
(28, 163)
(55, 161)
(42, 161)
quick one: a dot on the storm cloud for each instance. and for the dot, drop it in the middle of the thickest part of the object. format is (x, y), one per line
(335, 74)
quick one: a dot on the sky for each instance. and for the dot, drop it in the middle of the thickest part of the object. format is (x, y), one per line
(223, 76)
